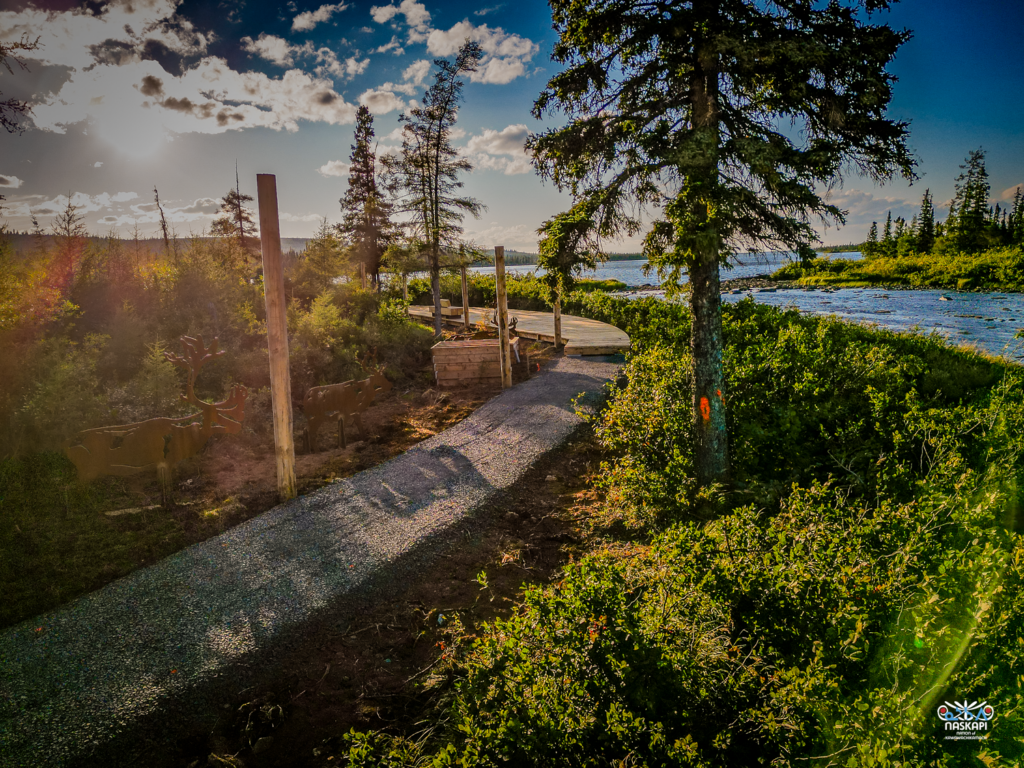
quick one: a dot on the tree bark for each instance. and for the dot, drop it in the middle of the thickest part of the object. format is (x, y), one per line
(711, 447)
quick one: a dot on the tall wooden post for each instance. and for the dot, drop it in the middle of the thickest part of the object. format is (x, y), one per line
(362, 274)
(465, 299)
(502, 296)
(558, 318)
(277, 334)
(405, 287)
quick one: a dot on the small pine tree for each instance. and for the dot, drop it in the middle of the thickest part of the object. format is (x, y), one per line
(967, 216)
(1016, 222)
(871, 246)
(888, 242)
(926, 224)
(237, 218)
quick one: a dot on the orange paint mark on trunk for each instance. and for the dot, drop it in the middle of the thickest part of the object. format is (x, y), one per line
(719, 393)
(705, 409)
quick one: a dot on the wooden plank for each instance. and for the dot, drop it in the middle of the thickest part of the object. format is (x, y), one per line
(277, 334)
(502, 296)
(465, 299)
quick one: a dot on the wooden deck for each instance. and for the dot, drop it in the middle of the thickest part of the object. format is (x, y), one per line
(580, 335)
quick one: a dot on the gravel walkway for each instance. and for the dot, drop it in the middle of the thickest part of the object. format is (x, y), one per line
(116, 676)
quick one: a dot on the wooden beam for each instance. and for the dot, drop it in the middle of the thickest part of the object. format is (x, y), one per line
(277, 334)
(502, 296)
(465, 298)
(558, 320)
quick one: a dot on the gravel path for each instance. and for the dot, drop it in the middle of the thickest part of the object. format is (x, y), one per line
(114, 677)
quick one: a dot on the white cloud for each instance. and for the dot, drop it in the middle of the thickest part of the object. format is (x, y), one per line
(1009, 193)
(272, 48)
(505, 57)
(309, 19)
(485, 11)
(417, 17)
(10, 182)
(134, 108)
(300, 217)
(508, 141)
(380, 101)
(394, 46)
(416, 72)
(125, 33)
(334, 168)
(488, 150)
(97, 164)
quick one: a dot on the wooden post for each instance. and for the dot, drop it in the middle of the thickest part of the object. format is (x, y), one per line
(465, 299)
(405, 287)
(362, 274)
(558, 319)
(277, 334)
(502, 296)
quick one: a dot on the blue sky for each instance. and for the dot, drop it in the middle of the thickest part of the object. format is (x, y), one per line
(141, 93)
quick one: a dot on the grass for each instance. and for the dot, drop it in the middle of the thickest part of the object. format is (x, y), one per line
(997, 269)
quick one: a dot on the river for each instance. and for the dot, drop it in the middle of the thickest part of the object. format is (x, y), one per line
(986, 321)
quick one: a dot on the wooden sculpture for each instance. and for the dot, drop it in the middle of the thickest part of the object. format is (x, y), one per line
(160, 443)
(341, 402)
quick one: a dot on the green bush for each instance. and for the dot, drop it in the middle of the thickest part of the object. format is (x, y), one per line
(997, 269)
(864, 568)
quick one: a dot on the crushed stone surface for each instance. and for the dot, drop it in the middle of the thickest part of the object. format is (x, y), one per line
(104, 679)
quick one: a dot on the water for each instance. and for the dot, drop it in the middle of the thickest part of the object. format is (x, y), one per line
(632, 272)
(987, 321)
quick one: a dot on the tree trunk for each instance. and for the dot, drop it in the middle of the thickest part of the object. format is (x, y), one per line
(711, 458)
(435, 289)
(558, 319)
(711, 454)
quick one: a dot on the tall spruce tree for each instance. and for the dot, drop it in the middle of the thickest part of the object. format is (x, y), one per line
(871, 247)
(888, 244)
(679, 105)
(926, 224)
(236, 220)
(1016, 224)
(366, 215)
(968, 212)
(425, 176)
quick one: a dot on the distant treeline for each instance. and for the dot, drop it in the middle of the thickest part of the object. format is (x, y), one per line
(25, 243)
(847, 248)
(521, 257)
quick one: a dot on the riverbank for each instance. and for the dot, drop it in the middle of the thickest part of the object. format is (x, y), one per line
(994, 270)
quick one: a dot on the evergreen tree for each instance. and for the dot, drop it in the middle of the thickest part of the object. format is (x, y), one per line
(426, 174)
(675, 105)
(871, 247)
(926, 224)
(236, 220)
(888, 244)
(366, 215)
(1016, 223)
(970, 204)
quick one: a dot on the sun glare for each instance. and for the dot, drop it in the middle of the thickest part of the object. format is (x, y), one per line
(141, 136)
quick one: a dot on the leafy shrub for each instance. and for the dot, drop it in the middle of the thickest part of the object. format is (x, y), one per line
(873, 578)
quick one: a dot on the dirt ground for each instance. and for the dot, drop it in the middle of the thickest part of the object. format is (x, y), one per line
(388, 667)
(231, 482)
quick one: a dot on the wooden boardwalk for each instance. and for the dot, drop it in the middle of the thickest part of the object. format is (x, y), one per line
(580, 335)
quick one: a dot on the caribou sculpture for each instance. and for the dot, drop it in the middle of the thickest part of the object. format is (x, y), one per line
(341, 402)
(160, 443)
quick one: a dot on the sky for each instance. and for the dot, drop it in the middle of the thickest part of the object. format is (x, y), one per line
(132, 95)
